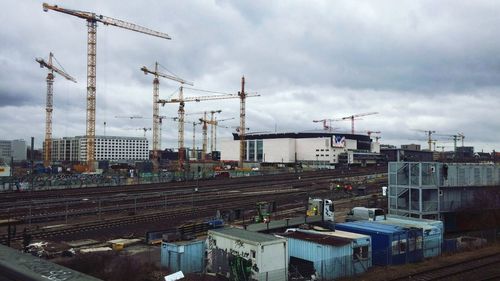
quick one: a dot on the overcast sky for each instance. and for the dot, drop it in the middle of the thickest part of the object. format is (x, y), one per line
(423, 65)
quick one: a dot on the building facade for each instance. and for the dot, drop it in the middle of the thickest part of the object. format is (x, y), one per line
(429, 190)
(74, 149)
(13, 148)
(324, 149)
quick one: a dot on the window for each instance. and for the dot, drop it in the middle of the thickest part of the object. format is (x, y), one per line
(360, 253)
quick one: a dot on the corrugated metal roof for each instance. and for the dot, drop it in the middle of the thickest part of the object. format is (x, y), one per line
(349, 235)
(372, 226)
(319, 238)
(246, 235)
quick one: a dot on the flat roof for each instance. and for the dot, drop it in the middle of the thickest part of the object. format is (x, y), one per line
(319, 238)
(302, 135)
(15, 265)
(246, 235)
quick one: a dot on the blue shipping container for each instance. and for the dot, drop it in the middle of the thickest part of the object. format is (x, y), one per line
(432, 231)
(187, 256)
(391, 245)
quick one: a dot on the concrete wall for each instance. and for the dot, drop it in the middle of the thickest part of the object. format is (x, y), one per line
(229, 149)
(279, 150)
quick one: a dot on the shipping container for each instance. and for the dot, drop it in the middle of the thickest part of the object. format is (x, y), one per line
(243, 255)
(185, 256)
(332, 254)
(432, 231)
(391, 245)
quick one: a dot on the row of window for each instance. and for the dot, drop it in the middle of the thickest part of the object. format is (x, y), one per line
(322, 149)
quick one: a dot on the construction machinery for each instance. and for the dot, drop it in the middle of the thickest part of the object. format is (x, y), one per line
(321, 207)
(160, 121)
(92, 20)
(263, 212)
(329, 126)
(49, 103)
(241, 95)
(455, 137)
(429, 137)
(141, 129)
(156, 119)
(353, 117)
(369, 133)
(214, 123)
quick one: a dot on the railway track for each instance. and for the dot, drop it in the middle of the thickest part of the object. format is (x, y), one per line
(70, 205)
(483, 268)
(26, 196)
(170, 207)
(172, 216)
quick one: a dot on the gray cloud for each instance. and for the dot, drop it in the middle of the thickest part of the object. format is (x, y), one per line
(422, 65)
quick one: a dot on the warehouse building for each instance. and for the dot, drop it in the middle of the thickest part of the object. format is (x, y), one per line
(316, 149)
(74, 149)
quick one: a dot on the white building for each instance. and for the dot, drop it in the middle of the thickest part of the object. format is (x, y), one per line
(324, 149)
(13, 148)
(106, 148)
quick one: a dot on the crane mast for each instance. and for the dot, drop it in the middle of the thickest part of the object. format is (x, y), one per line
(156, 115)
(49, 104)
(215, 97)
(193, 153)
(213, 123)
(205, 136)
(242, 96)
(92, 19)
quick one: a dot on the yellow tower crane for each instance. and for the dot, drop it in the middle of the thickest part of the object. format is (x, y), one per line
(215, 125)
(181, 100)
(92, 19)
(156, 119)
(49, 104)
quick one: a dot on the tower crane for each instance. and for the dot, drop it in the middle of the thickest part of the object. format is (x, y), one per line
(241, 95)
(429, 134)
(160, 121)
(49, 103)
(456, 137)
(130, 117)
(353, 117)
(215, 125)
(144, 129)
(369, 133)
(92, 19)
(156, 120)
(329, 126)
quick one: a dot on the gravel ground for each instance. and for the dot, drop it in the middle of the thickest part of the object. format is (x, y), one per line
(384, 273)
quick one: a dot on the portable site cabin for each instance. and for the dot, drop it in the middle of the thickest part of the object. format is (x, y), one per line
(331, 254)
(185, 256)
(432, 232)
(243, 255)
(391, 245)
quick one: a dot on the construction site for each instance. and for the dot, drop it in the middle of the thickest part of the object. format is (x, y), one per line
(222, 201)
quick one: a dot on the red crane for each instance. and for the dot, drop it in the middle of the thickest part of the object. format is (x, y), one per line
(353, 117)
